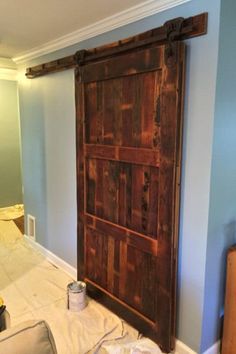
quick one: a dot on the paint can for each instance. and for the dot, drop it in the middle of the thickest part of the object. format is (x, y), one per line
(76, 296)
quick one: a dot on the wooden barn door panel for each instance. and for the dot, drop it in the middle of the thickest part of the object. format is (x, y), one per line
(129, 150)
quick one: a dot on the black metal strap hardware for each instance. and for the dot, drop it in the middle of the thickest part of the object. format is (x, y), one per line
(173, 31)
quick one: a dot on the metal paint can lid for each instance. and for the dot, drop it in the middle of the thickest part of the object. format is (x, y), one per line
(76, 287)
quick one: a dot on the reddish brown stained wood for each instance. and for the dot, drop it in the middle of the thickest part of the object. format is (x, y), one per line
(99, 196)
(51, 67)
(140, 62)
(136, 193)
(91, 185)
(125, 194)
(192, 27)
(131, 194)
(229, 338)
(117, 110)
(123, 198)
(80, 178)
(168, 201)
(97, 257)
(123, 269)
(110, 264)
(120, 233)
(140, 290)
(126, 154)
(140, 315)
(153, 201)
(128, 102)
(91, 108)
(177, 179)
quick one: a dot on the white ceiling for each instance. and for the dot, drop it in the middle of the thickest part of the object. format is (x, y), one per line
(31, 28)
(26, 24)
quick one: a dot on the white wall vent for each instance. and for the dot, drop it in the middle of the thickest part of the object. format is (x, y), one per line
(30, 226)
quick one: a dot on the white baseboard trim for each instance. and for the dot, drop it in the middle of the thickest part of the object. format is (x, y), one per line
(51, 257)
(214, 349)
(181, 348)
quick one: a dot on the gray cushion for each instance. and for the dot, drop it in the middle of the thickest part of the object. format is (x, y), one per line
(30, 337)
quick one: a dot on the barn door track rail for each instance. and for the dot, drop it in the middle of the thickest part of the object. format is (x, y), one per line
(173, 30)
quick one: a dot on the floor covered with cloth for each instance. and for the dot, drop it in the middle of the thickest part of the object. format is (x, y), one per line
(33, 288)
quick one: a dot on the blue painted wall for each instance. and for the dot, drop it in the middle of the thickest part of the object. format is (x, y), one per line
(10, 155)
(48, 137)
(47, 112)
(222, 211)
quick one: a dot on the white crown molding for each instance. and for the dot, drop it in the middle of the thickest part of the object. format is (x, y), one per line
(120, 19)
(8, 74)
(7, 63)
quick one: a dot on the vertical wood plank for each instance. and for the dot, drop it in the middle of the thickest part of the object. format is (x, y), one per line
(110, 264)
(153, 202)
(91, 112)
(166, 262)
(136, 124)
(147, 87)
(139, 110)
(116, 267)
(100, 113)
(137, 179)
(80, 177)
(145, 206)
(108, 119)
(117, 113)
(122, 195)
(123, 270)
(157, 111)
(127, 110)
(91, 176)
(99, 189)
(110, 196)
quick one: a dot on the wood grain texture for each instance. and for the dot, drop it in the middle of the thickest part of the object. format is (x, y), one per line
(129, 194)
(80, 132)
(125, 154)
(229, 330)
(129, 155)
(192, 27)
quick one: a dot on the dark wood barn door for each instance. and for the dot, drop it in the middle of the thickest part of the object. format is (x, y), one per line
(129, 124)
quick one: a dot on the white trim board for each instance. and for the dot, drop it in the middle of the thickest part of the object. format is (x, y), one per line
(132, 14)
(51, 257)
(214, 349)
(181, 348)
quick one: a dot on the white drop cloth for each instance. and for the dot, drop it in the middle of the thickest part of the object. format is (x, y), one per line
(35, 289)
(12, 212)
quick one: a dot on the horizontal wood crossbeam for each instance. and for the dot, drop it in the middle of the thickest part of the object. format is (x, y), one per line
(191, 27)
(132, 238)
(134, 63)
(138, 156)
(51, 67)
